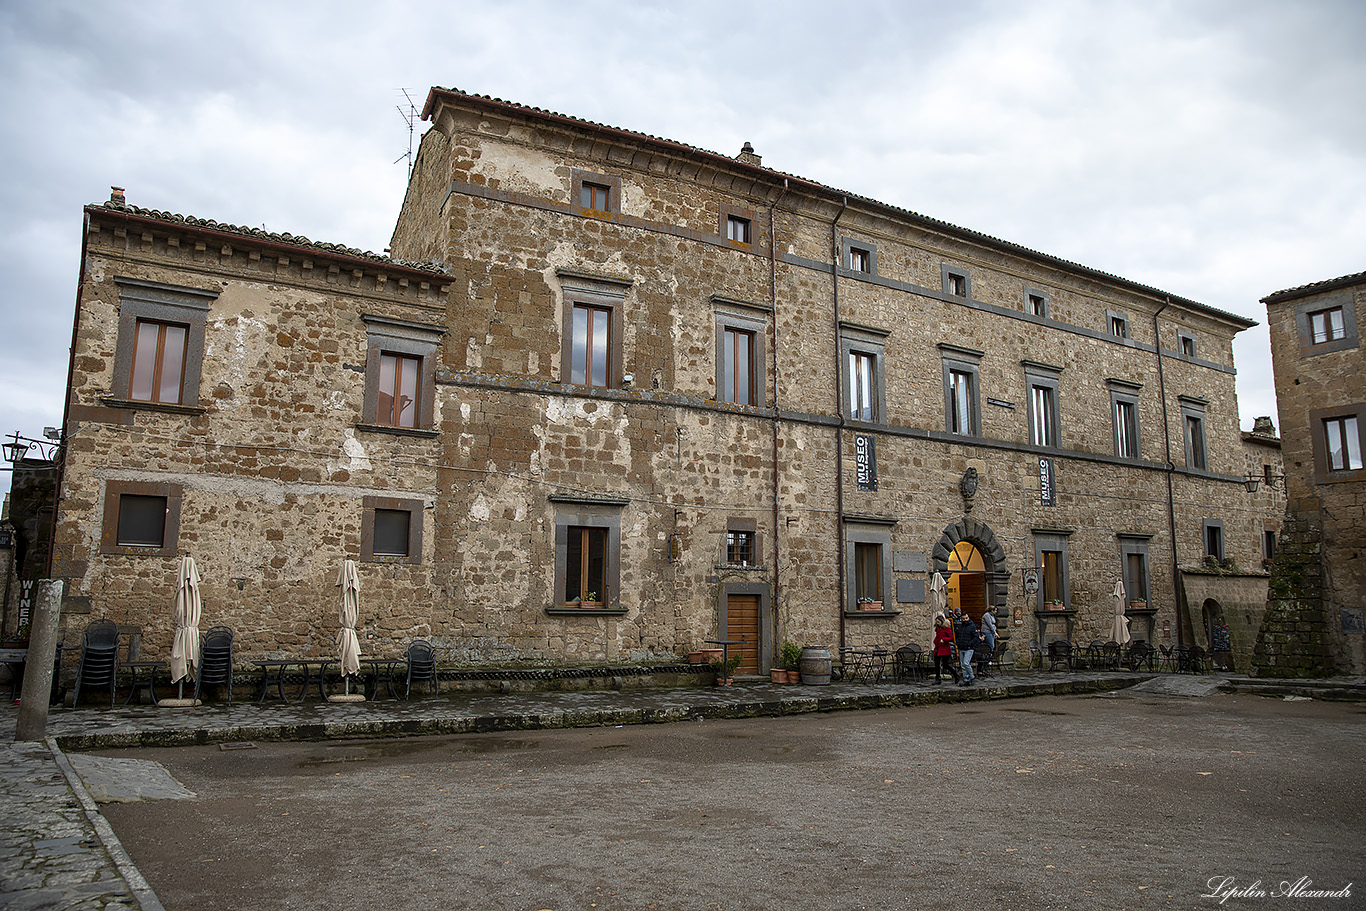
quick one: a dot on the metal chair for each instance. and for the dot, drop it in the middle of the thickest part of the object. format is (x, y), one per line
(1197, 659)
(99, 664)
(1168, 660)
(1036, 655)
(215, 661)
(1060, 652)
(421, 665)
(997, 663)
(1140, 653)
(1111, 654)
(908, 663)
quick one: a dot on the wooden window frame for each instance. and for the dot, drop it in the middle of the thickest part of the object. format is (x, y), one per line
(870, 346)
(965, 362)
(612, 185)
(114, 491)
(165, 305)
(574, 514)
(386, 337)
(415, 510)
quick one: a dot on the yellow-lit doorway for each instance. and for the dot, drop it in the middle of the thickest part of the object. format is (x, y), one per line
(967, 583)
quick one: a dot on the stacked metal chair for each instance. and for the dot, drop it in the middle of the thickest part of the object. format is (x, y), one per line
(421, 665)
(99, 665)
(215, 661)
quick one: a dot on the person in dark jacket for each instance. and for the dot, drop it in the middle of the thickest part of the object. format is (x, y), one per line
(943, 649)
(968, 642)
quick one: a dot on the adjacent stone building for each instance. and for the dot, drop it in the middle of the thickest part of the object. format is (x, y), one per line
(615, 396)
(1314, 615)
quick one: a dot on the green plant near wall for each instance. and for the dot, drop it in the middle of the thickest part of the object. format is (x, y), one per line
(790, 657)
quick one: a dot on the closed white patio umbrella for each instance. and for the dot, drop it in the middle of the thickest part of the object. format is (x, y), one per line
(939, 595)
(348, 646)
(1119, 632)
(185, 646)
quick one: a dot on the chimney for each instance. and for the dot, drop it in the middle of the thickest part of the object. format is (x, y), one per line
(1263, 427)
(747, 155)
(116, 196)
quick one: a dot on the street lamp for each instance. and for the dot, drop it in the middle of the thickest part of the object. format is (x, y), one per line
(14, 449)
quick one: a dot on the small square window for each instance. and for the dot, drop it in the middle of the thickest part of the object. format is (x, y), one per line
(1343, 440)
(391, 532)
(1187, 344)
(737, 229)
(1118, 325)
(860, 260)
(142, 521)
(740, 548)
(141, 518)
(593, 192)
(595, 196)
(1327, 326)
(958, 284)
(956, 281)
(1038, 305)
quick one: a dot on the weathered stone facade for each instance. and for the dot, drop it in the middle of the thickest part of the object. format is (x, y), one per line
(537, 457)
(1318, 591)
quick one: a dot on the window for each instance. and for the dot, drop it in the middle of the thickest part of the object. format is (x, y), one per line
(862, 380)
(1050, 552)
(585, 576)
(1186, 342)
(590, 349)
(591, 362)
(1213, 532)
(391, 530)
(1117, 323)
(141, 518)
(1124, 412)
(1134, 556)
(400, 374)
(858, 256)
(737, 229)
(1036, 303)
(1193, 420)
(962, 410)
(1042, 380)
(1326, 324)
(158, 362)
(868, 565)
(1268, 545)
(740, 548)
(737, 366)
(160, 350)
(595, 192)
(1343, 442)
(864, 393)
(587, 552)
(956, 281)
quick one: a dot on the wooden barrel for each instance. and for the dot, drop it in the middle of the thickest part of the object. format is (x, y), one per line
(815, 665)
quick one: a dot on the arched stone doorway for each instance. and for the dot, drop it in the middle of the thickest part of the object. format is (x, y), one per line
(973, 562)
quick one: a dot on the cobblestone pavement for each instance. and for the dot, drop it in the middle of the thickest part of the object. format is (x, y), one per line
(59, 852)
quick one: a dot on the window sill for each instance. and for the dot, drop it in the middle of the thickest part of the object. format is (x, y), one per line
(883, 614)
(569, 611)
(140, 405)
(398, 431)
(742, 567)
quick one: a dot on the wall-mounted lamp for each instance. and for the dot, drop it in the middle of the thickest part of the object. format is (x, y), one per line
(14, 450)
(1252, 481)
(18, 447)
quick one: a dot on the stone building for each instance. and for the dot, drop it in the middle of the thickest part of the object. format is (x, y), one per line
(1314, 613)
(615, 396)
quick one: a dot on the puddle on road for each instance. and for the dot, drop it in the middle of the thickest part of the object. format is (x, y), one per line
(1037, 711)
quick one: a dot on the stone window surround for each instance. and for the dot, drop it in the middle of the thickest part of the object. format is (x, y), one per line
(1029, 295)
(1127, 393)
(385, 335)
(848, 244)
(1044, 376)
(731, 314)
(867, 530)
(946, 275)
(602, 291)
(871, 341)
(1182, 338)
(1319, 439)
(1205, 526)
(142, 300)
(1194, 408)
(588, 512)
(738, 523)
(414, 508)
(962, 360)
(579, 177)
(1350, 338)
(1135, 545)
(1054, 540)
(113, 490)
(726, 211)
(1114, 318)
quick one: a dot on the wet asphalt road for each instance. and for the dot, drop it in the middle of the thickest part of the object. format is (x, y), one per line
(1129, 801)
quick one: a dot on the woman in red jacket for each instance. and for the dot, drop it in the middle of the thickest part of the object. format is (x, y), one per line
(943, 649)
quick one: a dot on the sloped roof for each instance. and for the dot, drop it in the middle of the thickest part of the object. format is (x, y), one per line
(1329, 284)
(778, 177)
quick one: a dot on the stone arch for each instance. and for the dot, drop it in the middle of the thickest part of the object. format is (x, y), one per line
(980, 536)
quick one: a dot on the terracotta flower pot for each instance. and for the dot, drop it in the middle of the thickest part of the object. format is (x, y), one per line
(777, 675)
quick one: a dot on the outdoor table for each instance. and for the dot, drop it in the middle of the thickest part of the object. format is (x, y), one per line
(725, 652)
(273, 670)
(141, 680)
(383, 669)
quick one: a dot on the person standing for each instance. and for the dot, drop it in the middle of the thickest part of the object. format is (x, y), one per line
(988, 641)
(968, 641)
(943, 650)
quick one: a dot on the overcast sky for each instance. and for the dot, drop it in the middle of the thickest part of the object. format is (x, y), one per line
(1215, 150)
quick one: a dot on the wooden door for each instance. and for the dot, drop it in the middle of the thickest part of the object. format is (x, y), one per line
(742, 622)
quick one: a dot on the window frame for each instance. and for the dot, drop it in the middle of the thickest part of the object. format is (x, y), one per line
(1043, 378)
(867, 531)
(963, 361)
(415, 509)
(726, 213)
(848, 248)
(1033, 295)
(387, 336)
(114, 491)
(1304, 327)
(155, 302)
(1135, 547)
(605, 513)
(1114, 320)
(951, 276)
(578, 178)
(1212, 529)
(1186, 345)
(1123, 394)
(1193, 417)
(1052, 541)
(871, 343)
(738, 316)
(1324, 473)
(598, 292)
(737, 525)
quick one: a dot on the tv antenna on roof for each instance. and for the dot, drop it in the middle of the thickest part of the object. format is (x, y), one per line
(410, 117)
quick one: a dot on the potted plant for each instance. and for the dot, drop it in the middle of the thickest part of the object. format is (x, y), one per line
(1055, 605)
(590, 600)
(1138, 604)
(866, 603)
(725, 670)
(19, 639)
(791, 659)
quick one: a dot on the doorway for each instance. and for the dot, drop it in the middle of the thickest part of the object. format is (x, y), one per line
(967, 583)
(742, 623)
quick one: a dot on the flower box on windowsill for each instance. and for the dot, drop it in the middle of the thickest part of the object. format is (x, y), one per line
(1054, 605)
(870, 605)
(1138, 605)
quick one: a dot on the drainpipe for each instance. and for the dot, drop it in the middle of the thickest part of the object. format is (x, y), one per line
(839, 411)
(1171, 469)
(773, 354)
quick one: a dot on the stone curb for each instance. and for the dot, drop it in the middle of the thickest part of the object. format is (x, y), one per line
(138, 886)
